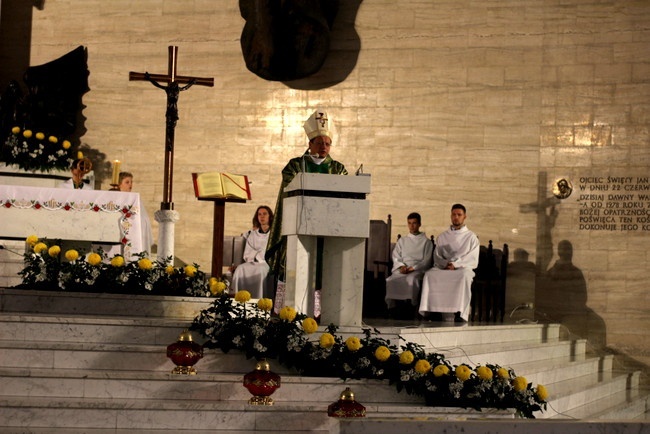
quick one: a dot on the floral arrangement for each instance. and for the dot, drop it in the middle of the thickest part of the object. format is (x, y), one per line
(47, 266)
(249, 327)
(31, 150)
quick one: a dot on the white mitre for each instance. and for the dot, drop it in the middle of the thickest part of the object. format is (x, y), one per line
(319, 124)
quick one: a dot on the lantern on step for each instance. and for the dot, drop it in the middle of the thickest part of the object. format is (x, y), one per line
(261, 383)
(346, 406)
(185, 353)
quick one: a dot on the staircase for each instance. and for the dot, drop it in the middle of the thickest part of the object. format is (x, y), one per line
(96, 363)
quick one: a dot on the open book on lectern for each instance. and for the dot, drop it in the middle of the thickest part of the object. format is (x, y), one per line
(217, 185)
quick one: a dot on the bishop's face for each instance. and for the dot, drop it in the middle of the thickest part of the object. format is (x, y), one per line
(320, 146)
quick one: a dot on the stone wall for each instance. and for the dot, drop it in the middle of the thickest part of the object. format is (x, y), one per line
(485, 103)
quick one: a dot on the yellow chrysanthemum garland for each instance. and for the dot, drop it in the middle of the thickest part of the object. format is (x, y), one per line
(354, 357)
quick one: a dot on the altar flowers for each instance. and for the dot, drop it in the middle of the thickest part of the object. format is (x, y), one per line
(292, 338)
(36, 150)
(48, 267)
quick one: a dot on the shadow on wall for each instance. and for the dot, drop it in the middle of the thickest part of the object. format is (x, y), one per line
(304, 44)
(561, 296)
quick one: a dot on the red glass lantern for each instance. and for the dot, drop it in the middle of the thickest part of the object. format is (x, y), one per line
(261, 383)
(346, 406)
(185, 354)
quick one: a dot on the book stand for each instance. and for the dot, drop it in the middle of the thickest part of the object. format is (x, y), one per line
(218, 232)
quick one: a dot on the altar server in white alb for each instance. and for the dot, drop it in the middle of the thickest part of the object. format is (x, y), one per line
(411, 258)
(253, 274)
(447, 287)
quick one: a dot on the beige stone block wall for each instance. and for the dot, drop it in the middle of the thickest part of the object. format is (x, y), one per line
(484, 103)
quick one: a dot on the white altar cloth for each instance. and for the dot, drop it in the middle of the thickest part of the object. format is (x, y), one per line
(85, 215)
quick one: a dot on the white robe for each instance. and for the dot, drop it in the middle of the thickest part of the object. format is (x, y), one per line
(253, 274)
(451, 290)
(413, 251)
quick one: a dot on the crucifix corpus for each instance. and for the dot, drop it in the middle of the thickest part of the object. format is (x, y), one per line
(166, 216)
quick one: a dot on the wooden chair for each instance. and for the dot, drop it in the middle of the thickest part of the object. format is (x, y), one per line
(377, 267)
(489, 285)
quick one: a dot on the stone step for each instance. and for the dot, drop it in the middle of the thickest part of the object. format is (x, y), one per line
(506, 354)
(134, 414)
(628, 404)
(108, 356)
(201, 387)
(444, 337)
(100, 304)
(517, 426)
(549, 371)
(583, 391)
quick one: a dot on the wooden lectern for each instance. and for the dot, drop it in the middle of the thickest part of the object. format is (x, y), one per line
(218, 232)
(334, 209)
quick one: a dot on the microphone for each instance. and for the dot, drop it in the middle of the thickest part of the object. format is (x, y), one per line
(359, 170)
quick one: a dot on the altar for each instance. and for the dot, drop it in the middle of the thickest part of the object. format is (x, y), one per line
(96, 216)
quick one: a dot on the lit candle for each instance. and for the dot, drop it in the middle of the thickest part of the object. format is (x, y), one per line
(116, 172)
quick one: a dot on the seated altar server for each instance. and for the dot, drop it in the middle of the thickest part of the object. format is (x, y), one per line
(411, 258)
(253, 274)
(447, 287)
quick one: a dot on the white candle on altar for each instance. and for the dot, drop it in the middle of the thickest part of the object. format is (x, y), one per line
(116, 172)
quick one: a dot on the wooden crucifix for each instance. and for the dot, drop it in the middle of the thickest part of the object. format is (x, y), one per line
(172, 89)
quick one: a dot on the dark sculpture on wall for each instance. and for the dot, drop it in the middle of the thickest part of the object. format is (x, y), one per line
(285, 40)
(52, 102)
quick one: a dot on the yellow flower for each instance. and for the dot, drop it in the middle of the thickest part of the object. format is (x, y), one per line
(27, 134)
(190, 270)
(80, 155)
(422, 366)
(309, 325)
(503, 373)
(216, 286)
(265, 304)
(520, 384)
(15, 130)
(406, 357)
(39, 247)
(71, 255)
(326, 340)
(40, 136)
(484, 373)
(94, 259)
(31, 240)
(542, 393)
(53, 139)
(117, 261)
(54, 251)
(66, 144)
(242, 296)
(353, 343)
(463, 372)
(170, 269)
(288, 313)
(145, 264)
(441, 370)
(382, 353)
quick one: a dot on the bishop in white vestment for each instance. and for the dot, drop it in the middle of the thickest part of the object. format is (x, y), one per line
(447, 287)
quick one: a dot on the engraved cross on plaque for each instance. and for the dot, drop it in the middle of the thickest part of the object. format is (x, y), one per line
(172, 89)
